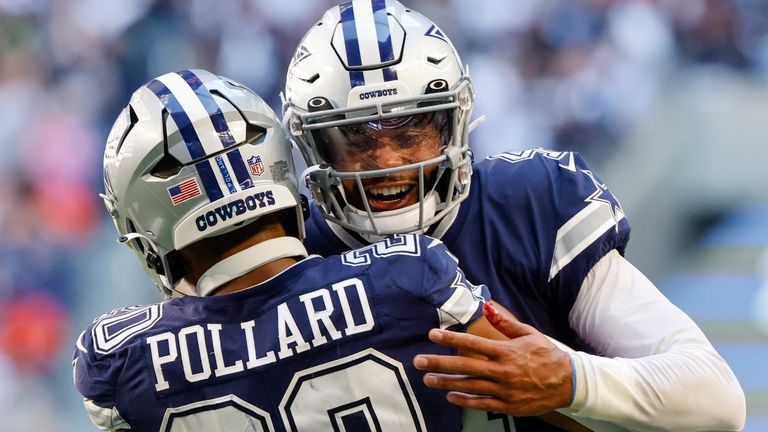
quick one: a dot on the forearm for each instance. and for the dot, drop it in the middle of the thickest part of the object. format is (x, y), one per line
(688, 389)
(655, 370)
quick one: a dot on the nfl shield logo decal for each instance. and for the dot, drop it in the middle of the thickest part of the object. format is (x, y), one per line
(254, 163)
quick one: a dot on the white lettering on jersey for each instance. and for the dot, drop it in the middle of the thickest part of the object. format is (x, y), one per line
(288, 333)
(221, 368)
(158, 360)
(356, 316)
(316, 316)
(253, 360)
(353, 328)
(202, 352)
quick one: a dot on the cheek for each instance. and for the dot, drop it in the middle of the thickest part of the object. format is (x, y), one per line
(426, 152)
(352, 193)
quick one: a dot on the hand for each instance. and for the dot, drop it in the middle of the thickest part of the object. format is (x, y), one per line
(521, 376)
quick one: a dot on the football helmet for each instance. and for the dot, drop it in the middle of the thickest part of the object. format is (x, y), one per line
(194, 155)
(364, 76)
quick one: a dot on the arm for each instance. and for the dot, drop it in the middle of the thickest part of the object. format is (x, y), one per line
(659, 373)
(656, 366)
(94, 378)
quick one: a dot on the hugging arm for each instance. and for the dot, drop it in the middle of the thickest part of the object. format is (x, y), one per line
(656, 369)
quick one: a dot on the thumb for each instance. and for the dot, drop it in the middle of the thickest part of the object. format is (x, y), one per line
(503, 321)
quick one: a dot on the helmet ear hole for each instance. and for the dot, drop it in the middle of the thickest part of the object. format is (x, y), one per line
(318, 103)
(436, 86)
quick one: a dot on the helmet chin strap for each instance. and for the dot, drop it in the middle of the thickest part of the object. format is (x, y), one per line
(246, 260)
(392, 220)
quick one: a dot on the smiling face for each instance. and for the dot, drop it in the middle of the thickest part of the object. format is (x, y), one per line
(383, 144)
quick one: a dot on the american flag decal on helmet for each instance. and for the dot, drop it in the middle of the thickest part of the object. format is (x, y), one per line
(184, 191)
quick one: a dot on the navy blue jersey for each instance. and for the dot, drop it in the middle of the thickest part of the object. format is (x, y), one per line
(533, 225)
(327, 345)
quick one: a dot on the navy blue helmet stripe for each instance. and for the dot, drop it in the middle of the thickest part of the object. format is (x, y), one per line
(205, 96)
(390, 74)
(384, 36)
(180, 117)
(210, 184)
(189, 135)
(225, 174)
(238, 165)
(351, 44)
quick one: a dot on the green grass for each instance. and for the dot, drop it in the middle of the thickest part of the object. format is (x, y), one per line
(757, 402)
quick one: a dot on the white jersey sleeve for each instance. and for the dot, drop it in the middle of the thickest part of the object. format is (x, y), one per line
(655, 370)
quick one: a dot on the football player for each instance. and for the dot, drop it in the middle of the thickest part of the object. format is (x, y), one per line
(379, 103)
(254, 334)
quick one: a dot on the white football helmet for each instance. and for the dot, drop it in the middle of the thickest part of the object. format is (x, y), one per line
(372, 65)
(194, 155)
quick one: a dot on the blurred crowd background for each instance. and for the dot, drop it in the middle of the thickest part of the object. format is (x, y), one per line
(667, 99)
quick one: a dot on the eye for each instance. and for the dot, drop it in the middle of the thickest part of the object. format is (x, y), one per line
(408, 140)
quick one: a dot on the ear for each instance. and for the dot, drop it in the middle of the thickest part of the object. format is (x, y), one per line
(176, 264)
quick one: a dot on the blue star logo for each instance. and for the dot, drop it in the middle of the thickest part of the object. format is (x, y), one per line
(601, 195)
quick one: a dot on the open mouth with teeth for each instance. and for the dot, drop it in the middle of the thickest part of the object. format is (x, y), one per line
(391, 197)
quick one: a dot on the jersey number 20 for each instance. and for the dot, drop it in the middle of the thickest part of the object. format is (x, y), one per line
(367, 391)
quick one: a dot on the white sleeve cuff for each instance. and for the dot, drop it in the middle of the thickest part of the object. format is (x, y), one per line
(106, 419)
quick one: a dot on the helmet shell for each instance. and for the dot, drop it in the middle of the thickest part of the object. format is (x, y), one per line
(194, 155)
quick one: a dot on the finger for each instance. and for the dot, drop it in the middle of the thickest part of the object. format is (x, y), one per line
(466, 342)
(464, 384)
(483, 403)
(453, 365)
(505, 322)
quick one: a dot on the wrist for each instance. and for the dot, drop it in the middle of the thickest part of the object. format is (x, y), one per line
(572, 369)
(567, 381)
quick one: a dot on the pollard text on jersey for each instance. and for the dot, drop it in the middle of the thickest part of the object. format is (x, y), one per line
(206, 351)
